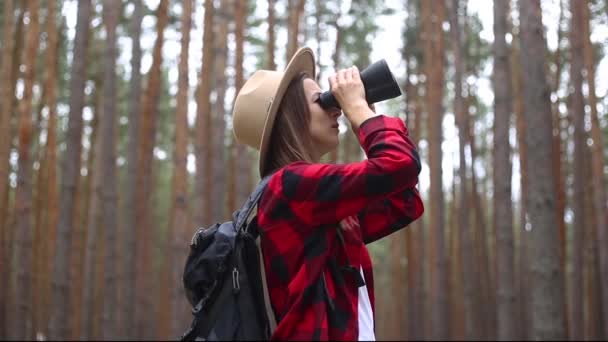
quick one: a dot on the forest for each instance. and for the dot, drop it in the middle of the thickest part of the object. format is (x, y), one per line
(116, 145)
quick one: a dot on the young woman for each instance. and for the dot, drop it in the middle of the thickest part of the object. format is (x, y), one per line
(315, 219)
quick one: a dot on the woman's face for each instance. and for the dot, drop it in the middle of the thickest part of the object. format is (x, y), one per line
(323, 123)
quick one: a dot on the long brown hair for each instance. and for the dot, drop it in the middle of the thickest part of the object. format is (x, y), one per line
(290, 140)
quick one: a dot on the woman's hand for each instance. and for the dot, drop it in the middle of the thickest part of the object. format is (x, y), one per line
(347, 87)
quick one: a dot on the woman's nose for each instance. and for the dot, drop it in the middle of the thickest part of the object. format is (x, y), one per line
(335, 113)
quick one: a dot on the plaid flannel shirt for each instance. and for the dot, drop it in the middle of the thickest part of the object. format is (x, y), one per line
(312, 277)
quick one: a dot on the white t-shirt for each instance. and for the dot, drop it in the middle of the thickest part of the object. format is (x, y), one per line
(366, 315)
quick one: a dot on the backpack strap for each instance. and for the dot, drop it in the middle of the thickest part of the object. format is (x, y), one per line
(244, 215)
(271, 317)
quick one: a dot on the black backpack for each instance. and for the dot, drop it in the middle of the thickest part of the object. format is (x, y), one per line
(224, 280)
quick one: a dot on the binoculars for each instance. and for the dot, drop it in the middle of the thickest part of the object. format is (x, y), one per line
(379, 84)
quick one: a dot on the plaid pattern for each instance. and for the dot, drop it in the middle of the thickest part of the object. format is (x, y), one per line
(300, 212)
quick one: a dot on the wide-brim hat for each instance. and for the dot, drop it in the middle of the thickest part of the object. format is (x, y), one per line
(258, 101)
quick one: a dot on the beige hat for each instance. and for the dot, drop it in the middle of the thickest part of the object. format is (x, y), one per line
(258, 100)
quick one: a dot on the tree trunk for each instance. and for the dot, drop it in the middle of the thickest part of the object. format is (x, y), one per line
(58, 324)
(432, 19)
(243, 165)
(270, 65)
(47, 186)
(92, 224)
(578, 205)
(295, 10)
(599, 183)
(178, 226)
(145, 184)
(23, 312)
(557, 148)
(127, 303)
(547, 288)
(590, 301)
(224, 15)
(108, 169)
(203, 109)
(503, 208)
(471, 311)
(6, 99)
(319, 9)
(522, 283)
(415, 243)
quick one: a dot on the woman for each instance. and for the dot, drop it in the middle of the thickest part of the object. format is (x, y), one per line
(315, 219)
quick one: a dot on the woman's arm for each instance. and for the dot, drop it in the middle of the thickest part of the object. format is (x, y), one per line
(389, 215)
(327, 193)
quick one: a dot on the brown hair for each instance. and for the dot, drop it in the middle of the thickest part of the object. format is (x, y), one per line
(290, 139)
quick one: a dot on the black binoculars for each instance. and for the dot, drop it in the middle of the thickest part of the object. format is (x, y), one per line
(379, 84)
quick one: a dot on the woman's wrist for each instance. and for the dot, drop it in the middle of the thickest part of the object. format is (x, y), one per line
(358, 114)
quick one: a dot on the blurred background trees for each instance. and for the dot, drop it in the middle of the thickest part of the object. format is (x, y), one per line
(116, 145)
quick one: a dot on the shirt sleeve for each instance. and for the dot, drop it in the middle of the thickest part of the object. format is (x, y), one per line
(327, 193)
(389, 215)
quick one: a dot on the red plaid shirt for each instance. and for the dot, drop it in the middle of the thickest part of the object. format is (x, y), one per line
(313, 278)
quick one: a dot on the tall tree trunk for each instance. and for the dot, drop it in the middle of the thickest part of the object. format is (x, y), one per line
(471, 311)
(145, 184)
(599, 180)
(557, 148)
(23, 312)
(224, 15)
(243, 167)
(433, 13)
(557, 155)
(92, 224)
(235, 149)
(522, 284)
(319, 9)
(108, 169)
(414, 240)
(48, 186)
(503, 208)
(295, 9)
(58, 324)
(547, 288)
(127, 303)
(397, 304)
(578, 205)
(270, 65)
(591, 302)
(203, 109)
(178, 224)
(6, 99)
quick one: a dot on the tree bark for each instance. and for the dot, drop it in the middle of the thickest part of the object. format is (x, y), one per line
(144, 310)
(203, 109)
(108, 169)
(23, 312)
(243, 165)
(503, 208)
(578, 205)
(58, 324)
(295, 10)
(547, 288)
(223, 18)
(6, 98)
(270, 65)
(178, 226)
(127, 303)
(433, 13)
(47, 186)
(598, 179)
(92, 223)
(522, 283)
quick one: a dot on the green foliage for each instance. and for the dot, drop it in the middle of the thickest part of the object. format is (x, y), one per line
(360, 33)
